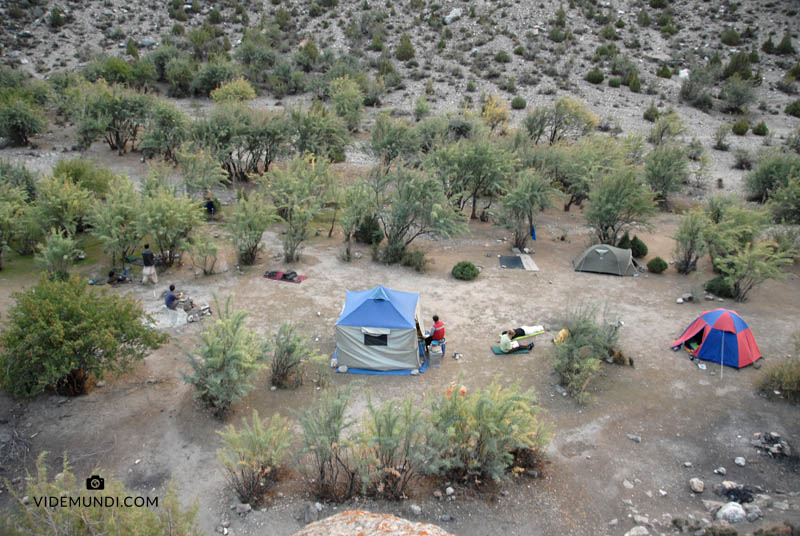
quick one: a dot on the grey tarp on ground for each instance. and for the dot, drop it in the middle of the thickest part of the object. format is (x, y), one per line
(604, 259)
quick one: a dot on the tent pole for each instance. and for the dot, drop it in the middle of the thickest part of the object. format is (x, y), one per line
(722, 356)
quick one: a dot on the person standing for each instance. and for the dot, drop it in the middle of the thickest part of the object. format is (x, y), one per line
(436, 334)
(149, 262)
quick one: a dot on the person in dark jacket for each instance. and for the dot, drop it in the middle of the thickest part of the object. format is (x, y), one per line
(171, 299)
(149, 262)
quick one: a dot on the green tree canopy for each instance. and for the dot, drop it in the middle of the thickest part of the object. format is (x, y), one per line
(616, 202)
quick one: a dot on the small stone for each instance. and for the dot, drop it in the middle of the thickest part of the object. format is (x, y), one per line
(449, 491)
(634, 438)
(273, 388)
(753, 512)
(243, 508)
(697, 485)
(613, 522)
(781, 505)
(687, 464)
(446, 517)
(437, 494)
(26, 500)
(679, 300)
(731, 512)
(415, 509)
(627, 484)
(662, 492)
(712, 506)
(740, 461)
(137, 462)
(641, 520)
(310, 514)
(101, 383)
(226, 524)
(721, 471)
(638, 531)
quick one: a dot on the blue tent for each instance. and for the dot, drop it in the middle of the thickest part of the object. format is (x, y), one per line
(378, 330)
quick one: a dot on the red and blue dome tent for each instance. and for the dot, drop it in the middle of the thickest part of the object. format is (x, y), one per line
(720, 336)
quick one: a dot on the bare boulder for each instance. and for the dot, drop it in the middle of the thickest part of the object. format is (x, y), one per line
(353, 522)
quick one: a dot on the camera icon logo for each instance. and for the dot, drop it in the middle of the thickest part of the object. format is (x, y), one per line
(95, 483)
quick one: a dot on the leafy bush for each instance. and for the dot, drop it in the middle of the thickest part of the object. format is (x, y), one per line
(666, 169)
(730, 37)
(518, 103)
(59, 333)
(88, 174)
(477, 434)
(204, 255)
(751, 265)
(167, 129)
(369, 231)
(502, 57)
(696, 89)
(785, 202)
(394, 442)
(664, 71)
(720, 137)
(690, 243)
(768, 46)
(56, 255)
(785, 47)
(774, 169)
(738, 94)
(291, 349)
(348, 101)
(113, 113)
(16, 175)
(328, 458)
(465, 271)
(28, 519)
(742, 159)
(638, 248)
(413, 258)
(405, 51)
(761, 129)
(111, 69)
(223, 363)
(62, 204)
(246, 225)
(625, 241)
(213, 75)
(784, 378)
(578, 357)
(320, 132)
(169, 220)
(740, 127)
(793, 109)
(720, 286)
(235, 90)
(252, 455)
(614, 82)
(657, 265)
(180, 74)
(651, 113)
(20, 119)
(738, 64)
(595, 76)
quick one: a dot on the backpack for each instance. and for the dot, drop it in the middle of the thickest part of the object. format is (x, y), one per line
(272, 274)
(290, 276)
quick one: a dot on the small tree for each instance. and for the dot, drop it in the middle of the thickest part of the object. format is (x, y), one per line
(59, 333)
(56, 255)
(20, 119)
(667, 128)
(356, 208)
(290, 350)
(200, 171)
(113, 222)
(246, 224)
(405, 50)
(319, 132)
(531, 194)
(738, 94)
(666, 169)
(15, 175)
(393, 139)
(234, 90)
(616, 201)
(27, 518)
(169, 220)
(112, 112)
(252, 455)
(785, 202)
(167, 128)
(223, 363)
(753, 265)
(348, 101)
(88, 174)
(12, 206)
(204, 254)
(690, 243)
(568, 118)
(495, 112)
(297, 194)
(62, 204)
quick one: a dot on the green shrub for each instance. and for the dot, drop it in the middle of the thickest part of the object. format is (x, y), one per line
(291, 350)
(16, 175)
(625, 241)
(720, 286)
(347, 100)
(405, 51)
(369, 231)
(204, 255)
(783, 378)
(465, 271)
(638, 248)
(657, 265)
(413, 258)
(235, 90)
(742, 159)
(761, 129)
(768, 46)
(327, 454)
(595, 76)
(59, 333)
(651, 113)
(785, 47)
(518, 103)
(658, 4)
(738, 94)
(615, 82)
(577, 359)
(20, 119)
(721, 136)
(477, 434)
(502, 57)
(28, 519)
(161, 56)
(696, 89)
(792, 109)
(634, 83)
(730, 37)
(223, 363)
(56, 255)
(252, 455)
(57, 18)
(664, 71)
(738, 64)
(772, 172)
(740, 127)
(246, 224)
(666, 169)
(88, 174)
(214, 16)
(784, 204)
(213, 75)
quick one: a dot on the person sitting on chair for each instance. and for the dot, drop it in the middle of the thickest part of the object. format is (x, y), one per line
(508, 346)
(436, 334)
(171, 299)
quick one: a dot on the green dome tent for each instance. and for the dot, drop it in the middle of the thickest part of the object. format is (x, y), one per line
(604, 259)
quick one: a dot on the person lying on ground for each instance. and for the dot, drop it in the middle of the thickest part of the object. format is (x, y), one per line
(507, 345)
(524, 331)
